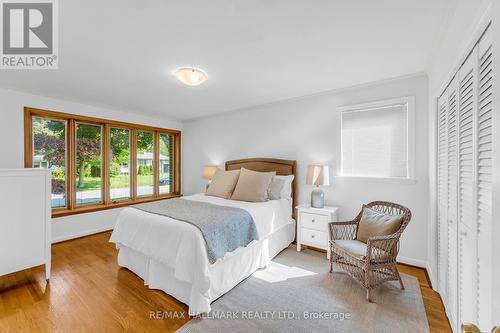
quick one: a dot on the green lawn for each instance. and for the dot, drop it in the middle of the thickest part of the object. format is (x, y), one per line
(120, 181)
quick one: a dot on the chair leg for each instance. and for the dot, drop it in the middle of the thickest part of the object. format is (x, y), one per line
(400, 280)
(367, 284)
(368, 295)
(396, 272)
(330, 259)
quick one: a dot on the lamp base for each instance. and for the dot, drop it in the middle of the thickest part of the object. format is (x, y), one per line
(317, 198)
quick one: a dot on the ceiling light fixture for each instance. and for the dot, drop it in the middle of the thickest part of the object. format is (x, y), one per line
(191, 76)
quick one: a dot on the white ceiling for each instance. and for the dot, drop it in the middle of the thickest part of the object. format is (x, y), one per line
(122, 53)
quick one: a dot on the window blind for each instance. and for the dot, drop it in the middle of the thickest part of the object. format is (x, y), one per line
(375, 142)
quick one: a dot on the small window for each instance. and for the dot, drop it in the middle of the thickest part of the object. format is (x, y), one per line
(377, 139)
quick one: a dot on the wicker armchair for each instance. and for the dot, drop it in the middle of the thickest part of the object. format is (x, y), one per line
(378, 263)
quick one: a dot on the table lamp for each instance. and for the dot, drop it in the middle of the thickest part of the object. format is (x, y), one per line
(318, 175)
(208, 173)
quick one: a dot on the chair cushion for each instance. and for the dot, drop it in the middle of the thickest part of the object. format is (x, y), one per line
(358, 249)
(354, 247)
(374, 223)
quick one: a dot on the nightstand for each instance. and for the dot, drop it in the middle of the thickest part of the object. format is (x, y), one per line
(312, 226)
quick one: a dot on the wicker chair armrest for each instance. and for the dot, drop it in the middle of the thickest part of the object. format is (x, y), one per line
(382, 247)
(343, 230)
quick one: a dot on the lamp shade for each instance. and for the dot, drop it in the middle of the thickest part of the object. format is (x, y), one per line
(209, 171)
(318, 175)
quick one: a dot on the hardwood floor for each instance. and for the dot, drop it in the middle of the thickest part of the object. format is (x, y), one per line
(434, 308)
(88, 292)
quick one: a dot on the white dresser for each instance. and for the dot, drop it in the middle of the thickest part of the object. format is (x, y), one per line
(25, 215)
(312, 226)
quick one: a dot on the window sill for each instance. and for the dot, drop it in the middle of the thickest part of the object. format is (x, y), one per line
(386, 180)
(95, 208)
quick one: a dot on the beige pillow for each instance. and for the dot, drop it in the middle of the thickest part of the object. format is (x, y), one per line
(374, 223)
(223, 183)
(252, 186)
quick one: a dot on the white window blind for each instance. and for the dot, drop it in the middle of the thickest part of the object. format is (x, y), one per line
(375, 140)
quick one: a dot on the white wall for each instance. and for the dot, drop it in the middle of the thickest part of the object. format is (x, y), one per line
(12, 105)
(307, 130)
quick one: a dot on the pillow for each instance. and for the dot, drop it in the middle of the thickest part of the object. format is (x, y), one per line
(223, 183)
(275, 188)
(375, 223)
(252, 186)
(281, 187)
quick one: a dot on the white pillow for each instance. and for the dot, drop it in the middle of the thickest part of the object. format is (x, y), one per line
(281, 185)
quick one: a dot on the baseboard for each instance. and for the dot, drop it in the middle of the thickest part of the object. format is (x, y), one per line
(430, 275)
(412, 262)
(82, 234)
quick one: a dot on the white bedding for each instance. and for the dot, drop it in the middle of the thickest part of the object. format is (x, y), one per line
(181, 247)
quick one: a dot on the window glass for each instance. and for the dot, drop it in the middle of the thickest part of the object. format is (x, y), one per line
(88, 164)
(119, 168)
(165, 163)
(49, 152)
(145, 163)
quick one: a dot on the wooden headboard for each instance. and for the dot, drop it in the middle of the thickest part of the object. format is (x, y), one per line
(282, 168)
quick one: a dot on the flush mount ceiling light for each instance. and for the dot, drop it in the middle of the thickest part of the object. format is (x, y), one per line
(191, 76)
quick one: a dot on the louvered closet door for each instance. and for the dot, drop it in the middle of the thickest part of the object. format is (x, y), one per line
(442, 123)
(452, 218)
(465, 167)
(484, 180)
(467, 254)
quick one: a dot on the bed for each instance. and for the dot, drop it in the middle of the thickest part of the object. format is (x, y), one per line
(171, 255)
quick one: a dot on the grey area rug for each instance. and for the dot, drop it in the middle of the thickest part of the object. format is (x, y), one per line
(297, 294)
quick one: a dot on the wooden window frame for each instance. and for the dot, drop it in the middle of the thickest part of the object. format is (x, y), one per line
(71, 120)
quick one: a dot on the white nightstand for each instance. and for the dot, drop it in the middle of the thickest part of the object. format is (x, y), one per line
(312, 226)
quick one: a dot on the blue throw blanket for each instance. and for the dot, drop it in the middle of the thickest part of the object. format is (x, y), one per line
(224, 228)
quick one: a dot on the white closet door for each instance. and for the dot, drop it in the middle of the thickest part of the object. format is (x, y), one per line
(484, 180)
(452, 208)
(467, 76)
(442, 194)
(465, 174)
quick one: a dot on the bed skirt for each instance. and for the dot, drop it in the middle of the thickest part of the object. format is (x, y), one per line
(224, 275)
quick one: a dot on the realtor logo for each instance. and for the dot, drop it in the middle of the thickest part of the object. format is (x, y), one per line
(29, 34)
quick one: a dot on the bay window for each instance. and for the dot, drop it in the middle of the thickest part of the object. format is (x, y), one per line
(99, 164)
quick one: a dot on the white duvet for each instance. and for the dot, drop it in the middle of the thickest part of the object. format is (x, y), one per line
(180, 245)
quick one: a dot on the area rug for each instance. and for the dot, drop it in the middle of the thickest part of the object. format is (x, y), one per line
(296, 293)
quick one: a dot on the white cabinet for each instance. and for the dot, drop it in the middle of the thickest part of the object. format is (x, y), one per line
(25, 215)
(312, 226)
